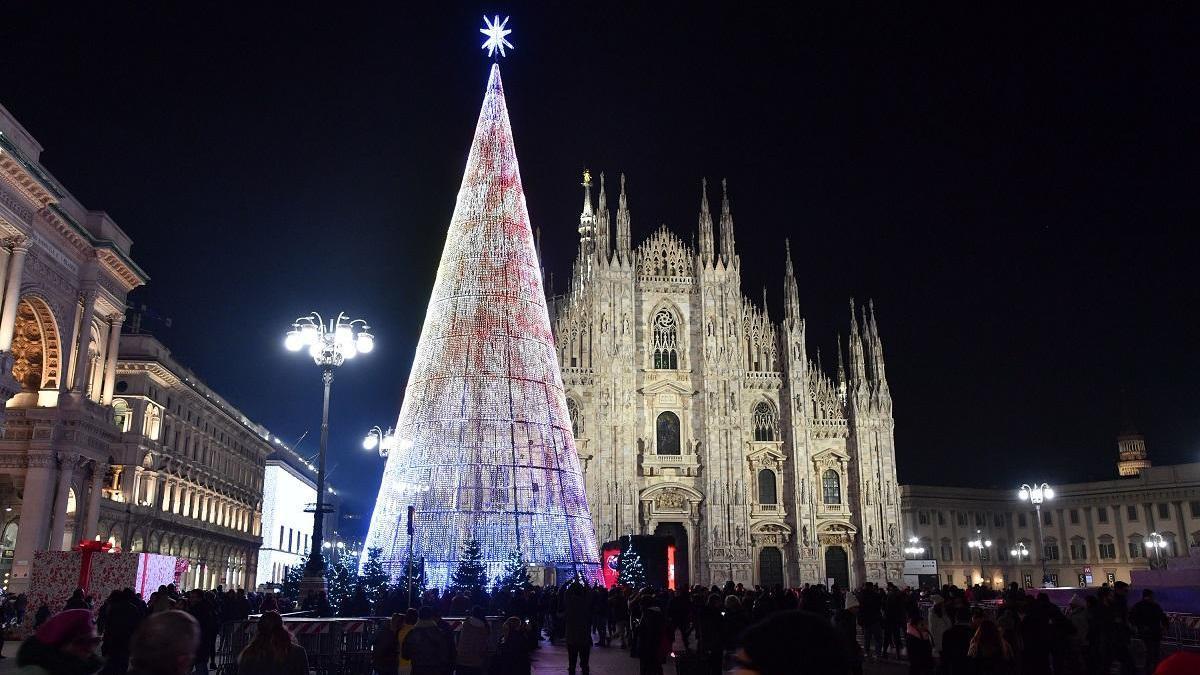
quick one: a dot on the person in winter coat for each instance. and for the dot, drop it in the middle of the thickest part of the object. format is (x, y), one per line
(385, 651)
(939, 620)
(122, 619)
(427, 646)
(64, 645)
(164, 644)
(515, 645)
(474, 637)
(577, 620)
(410, 620)
(918, 645)
(273, 651)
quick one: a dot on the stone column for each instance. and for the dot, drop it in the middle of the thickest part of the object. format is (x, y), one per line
(66, 472)
(110, 365)
(93, 509)
(12, 294)
(35, 518)
(5, 255)
(85, 333)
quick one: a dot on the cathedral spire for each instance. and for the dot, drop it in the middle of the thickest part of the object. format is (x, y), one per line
(791, 292)
(876, 346)
(858, 369)
(728, 252)
(603, 232)
(623, 238)
(841, 371)
(706, 226)
(587, 219)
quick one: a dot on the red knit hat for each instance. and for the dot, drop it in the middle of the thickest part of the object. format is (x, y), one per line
(65, 627)
(1179, 663)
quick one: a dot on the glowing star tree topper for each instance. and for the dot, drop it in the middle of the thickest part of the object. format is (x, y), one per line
(496, 31)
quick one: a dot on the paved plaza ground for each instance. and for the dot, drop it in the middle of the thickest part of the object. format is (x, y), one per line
(552, 659)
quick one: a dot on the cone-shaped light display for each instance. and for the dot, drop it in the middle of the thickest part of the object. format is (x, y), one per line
(484, 446)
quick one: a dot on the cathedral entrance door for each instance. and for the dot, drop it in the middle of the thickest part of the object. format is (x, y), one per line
(837, 566)
(770, 567)
(679, 532)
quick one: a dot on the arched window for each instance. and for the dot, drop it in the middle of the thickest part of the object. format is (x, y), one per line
(121, 414)
(765, 422)
(152, 428)
(831, 484)
(667, 434)
(665, 341)
(766, 487)
(573, 413)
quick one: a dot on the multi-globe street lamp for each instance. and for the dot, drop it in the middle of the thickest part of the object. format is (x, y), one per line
(913, 549)
(329, 345)
(981, 545)
(1036, 495)
(1020, 552)
(1156, 544)
(379, 439)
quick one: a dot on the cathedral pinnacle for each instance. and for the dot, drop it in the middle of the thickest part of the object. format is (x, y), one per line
(791, 292)
(728, 254)
(603, 231)
(706, 226)
(623, 238)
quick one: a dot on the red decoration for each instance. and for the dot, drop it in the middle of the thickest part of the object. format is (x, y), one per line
(89, 548)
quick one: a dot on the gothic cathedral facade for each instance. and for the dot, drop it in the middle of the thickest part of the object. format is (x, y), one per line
(697, 416)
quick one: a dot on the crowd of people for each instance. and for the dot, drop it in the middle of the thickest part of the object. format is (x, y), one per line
(708, 630)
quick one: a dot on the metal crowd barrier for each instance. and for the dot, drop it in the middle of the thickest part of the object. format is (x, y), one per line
(335, 646)
(1183, 630)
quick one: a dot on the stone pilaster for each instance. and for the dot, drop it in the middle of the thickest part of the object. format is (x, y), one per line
(93, 509)
(35, 517)
(65, 474)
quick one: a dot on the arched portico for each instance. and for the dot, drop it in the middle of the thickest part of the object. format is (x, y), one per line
(37, 354)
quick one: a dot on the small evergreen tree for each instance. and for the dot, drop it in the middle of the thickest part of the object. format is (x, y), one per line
(373, 578)
(418, 578)
(515, 576)
(471, 574)
(630, 569)
(291, 580)
(340, 581)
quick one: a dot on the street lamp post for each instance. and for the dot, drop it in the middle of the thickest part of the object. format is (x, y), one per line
(329, 345)
(981, 545)
(378, 439)
(1036, 495)
(1156, 544)
(1021, 553)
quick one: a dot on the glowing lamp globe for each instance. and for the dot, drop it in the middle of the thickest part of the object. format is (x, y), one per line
(365, 342)
(309, 332)
(1048, 493)
(294, 341)
(1023, 495)
(370, 441)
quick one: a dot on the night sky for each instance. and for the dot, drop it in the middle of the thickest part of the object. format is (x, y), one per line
(1017, 192)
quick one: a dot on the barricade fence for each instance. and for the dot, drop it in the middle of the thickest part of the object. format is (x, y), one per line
(335, 646)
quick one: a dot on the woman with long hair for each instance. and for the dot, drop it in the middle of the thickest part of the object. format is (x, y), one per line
(273, 651)
(989, 653)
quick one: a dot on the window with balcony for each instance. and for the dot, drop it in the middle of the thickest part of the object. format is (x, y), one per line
(947, 550)
(1137, 546)
(766, 488)
(667, 434)
(1078, 549)
(831, 485)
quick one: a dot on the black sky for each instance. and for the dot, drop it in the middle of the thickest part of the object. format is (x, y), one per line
(1017, 191)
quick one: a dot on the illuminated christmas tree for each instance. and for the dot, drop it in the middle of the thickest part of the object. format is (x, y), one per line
(631, 571)
(484, 447)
